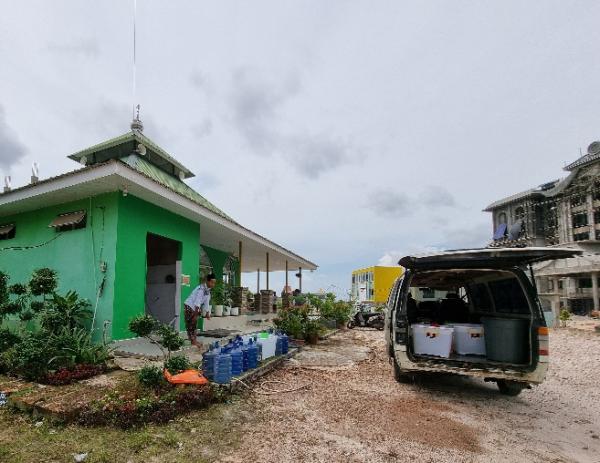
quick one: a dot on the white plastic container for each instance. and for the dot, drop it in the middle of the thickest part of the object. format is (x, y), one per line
(268, 346)
(468, 339)
(235, 311)
(432, 340)
(226, 311)
(218, 310)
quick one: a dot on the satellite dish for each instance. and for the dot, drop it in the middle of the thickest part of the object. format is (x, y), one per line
(83, 160)
(141, 149)
(181, 175)
(594, 148)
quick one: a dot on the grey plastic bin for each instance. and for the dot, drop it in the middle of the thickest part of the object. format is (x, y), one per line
(506, 339)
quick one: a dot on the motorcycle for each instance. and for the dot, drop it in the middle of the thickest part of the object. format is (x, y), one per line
(367, 320)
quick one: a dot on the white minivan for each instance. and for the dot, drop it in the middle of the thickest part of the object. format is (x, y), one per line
(471, 312)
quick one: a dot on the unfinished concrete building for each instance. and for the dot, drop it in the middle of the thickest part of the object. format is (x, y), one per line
(563, 213)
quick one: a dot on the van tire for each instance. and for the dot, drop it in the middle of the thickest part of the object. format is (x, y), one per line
(399, 376)
(510, 388)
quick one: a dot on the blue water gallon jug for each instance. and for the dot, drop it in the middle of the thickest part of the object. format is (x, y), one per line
(279, 345)
(237, 361)
(285, 343)
(258, 351)
(223, 367)
(252, 355)
(244, 348)
(208, 361)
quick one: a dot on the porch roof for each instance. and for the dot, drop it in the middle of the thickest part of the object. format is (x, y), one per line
(217, 229)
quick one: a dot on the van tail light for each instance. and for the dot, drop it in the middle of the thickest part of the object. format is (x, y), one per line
(543, 343)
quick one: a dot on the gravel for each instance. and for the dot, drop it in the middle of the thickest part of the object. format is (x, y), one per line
(354, 411)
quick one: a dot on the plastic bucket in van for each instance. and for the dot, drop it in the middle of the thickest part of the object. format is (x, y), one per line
(506, 339)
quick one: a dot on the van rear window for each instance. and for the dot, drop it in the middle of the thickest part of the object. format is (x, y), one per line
(480, 297)
(508, 296)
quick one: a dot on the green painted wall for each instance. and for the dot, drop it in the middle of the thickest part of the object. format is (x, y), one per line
(217, 259)
(75, 255)
(136, 219)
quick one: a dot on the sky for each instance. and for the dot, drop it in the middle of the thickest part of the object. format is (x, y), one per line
(352, 132)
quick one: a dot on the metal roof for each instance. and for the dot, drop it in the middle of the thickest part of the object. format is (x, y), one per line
(125, 145)
(150, 170)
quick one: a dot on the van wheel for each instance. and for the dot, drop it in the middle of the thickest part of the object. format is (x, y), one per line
(510, 388)
(399, 375)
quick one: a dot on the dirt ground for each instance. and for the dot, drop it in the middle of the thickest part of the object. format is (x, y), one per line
(349, 408)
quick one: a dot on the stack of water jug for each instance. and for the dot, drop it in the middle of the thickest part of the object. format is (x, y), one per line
(221, 363)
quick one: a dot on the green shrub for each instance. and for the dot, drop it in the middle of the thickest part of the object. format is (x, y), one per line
(75, 311)
(7, 339)
(292, 321)
(31, 357)
(8, 360)
(44, 281)
(74, 346)
(169, 338)
(177, 364)
(151, 376)
(18, 289)
(143, 325)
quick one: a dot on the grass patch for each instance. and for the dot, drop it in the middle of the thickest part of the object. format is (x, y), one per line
(203, 436)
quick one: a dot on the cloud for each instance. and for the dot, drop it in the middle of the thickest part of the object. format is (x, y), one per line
(87, 47)
(11, 148)
(198, 79)
(202, 129)
(257, 108)
(313, 155)
(389, 203)
(475, 235)
(205, 181)
(437, 196)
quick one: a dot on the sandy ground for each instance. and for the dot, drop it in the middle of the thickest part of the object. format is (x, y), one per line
(349, 408)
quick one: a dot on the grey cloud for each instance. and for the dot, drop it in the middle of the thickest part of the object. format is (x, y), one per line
(203, 129)
(87, 47)
(473, 236)
(314, 155)
(257, 105)
(437, 196)
(198, 79)
(389, 203)
(11, 148)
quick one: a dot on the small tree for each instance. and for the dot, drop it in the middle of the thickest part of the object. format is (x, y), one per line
(164, 336)
(564, 316)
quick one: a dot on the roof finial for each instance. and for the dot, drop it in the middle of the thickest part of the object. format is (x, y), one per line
(136, 124)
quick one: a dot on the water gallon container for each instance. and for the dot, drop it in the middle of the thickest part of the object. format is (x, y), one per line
(507, 339)
(279, 345)
(268, 345)
(237, 361)
(432, 340)
(468, 339)
(285, 343)
(244, 349)
(259, 357)
(208, 361)
(223, 368)
(251, 355)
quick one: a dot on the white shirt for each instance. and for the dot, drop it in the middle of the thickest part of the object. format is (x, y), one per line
(199, 297)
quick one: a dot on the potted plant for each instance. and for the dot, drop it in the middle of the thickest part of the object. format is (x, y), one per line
(218, 297)
(312, 330)
(564, 316)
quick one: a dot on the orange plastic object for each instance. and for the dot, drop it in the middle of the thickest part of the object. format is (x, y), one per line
(186, 377)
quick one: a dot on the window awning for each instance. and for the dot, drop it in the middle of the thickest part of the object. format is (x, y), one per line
(500, 231)
(6, 229)
(71, 218)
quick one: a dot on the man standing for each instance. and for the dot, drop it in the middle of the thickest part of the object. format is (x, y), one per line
(198, 303)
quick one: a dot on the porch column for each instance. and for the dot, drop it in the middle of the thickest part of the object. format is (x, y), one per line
(300, 279)
(595, 290)
(286, 275)
(258, 280)
(239, 281)
(267, 271)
